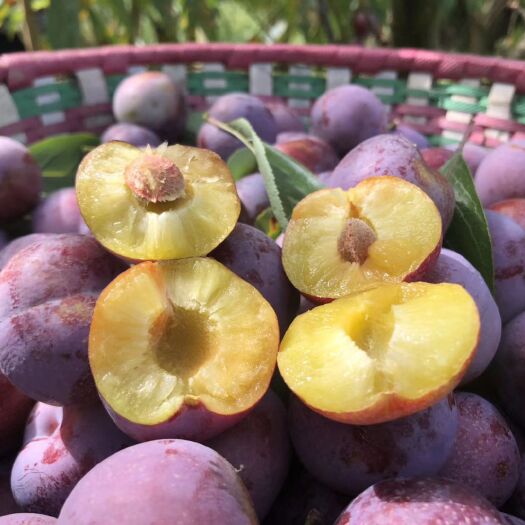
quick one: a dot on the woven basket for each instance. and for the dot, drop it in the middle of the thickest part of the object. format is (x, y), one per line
(442, 95)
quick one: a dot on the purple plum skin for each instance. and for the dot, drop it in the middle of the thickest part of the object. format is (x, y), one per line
(411, 134)
(258, 448)
(421, 501)
(18, 244)
(390, 154)
(508, 251)
(252, 194)
(347, 115)
(20, 180)
(160, 482)
(312, 152)
(500, 175)
(517, 502)
(285, 117)
(61, 446)
(451, 267)
(512, 520)
(132, 134)
(27, 519)
(47, 294)
(353, 457)
(509, 369)
(485, 455)
(58, 213)
(230, 107)
(256, 258)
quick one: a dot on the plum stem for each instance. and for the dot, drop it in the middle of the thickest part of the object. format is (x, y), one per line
(355, 240)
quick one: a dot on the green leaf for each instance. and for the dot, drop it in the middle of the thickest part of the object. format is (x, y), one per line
(468, 233)
(267, 223)
(59, 157)
(241, 163)
(63, 25)
(286, 181)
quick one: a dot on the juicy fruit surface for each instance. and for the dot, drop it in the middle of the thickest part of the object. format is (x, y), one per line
(406, 224)
(189, 226)
(170, 333)
(381, 354)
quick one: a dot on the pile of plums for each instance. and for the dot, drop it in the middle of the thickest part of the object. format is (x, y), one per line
(163, 361)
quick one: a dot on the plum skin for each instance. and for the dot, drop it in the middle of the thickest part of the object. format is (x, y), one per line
(132, 134)
(61, 446)
(347, 115)
(155, 481)
(252, 194)
(25, 518)
(58, 213)
(485, 455)
(20, 180)
(258, 448)
(354, 457)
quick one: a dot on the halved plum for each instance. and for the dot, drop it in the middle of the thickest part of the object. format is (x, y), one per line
(340, 242)
(381, 354)
(181, 349)
(165, 203)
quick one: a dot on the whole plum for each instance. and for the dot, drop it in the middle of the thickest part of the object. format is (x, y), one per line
(451, 267)
(20, 180)
(13, 247)
(132, 134)
(421, 501)
(166, 481)
(512, 208)
(312, 152)
(258, 448)
(252, 194)
(285, 117)
(47, 294)
(58, 213)
(394, 155)
(61, 446)
(436, 158)
(350, 458)
(412, 135)
(485, 455)
(230, 107)
(256, 258)
(508, 252)
(27, 519)
(347, 115)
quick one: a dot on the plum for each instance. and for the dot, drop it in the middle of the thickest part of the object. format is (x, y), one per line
(517, 502)
(151, 99)
(47, 294)
(485, 455)
(474, 155)
(411, 134)
(256, 258)
(347, 115)
(27, 519)
(508, 252)
(132, 134)
(436, 158)
(287, 136)
(58, 213)
(304, 500)
(14, 409)
(165, 481)
(500, 175)
(421, 501)
(509, 369)
(314, 153)
(62, 445)
(285, 117)
(258, 448)
(394, 155)
(350, 458)
(13, 247)
(252, 194)
(513, 208)
(230, 107)
(20, 180)
(451, 267)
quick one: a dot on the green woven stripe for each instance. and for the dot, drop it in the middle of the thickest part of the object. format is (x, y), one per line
(312, 87)
(463, 107)
(112, 81)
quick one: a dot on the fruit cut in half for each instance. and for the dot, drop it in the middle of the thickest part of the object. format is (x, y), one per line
(381, 354)
(166, 203)
(338, 242)
(181, 348)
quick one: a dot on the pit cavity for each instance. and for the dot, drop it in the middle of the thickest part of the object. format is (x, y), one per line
(154, 178)
(355, 240)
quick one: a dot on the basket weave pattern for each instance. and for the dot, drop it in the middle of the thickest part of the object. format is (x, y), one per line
(442, 95)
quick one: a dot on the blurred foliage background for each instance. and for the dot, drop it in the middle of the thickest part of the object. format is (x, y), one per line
(475, 26)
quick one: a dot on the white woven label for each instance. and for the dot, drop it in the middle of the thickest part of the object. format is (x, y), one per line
(178, 74)
(212, 83)
(8, 111)
(500, 100)
(93, 86)
(458, 116)
(421, 82)
(133, 70)
(48, 98)
(52, 118)
(302, 71)
(261, 81)
(337, 76)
